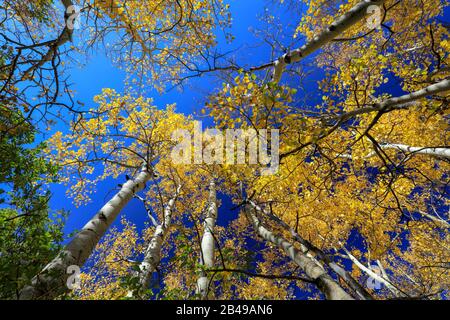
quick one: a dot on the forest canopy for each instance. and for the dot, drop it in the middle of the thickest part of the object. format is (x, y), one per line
(219, 150)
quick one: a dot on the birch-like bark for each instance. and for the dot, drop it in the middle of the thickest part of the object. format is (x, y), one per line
(374, 276)
(437, 152)
(312, 268)
(436, 88)
(396, 103)
(152, 256)
(401, 102)
(435, 219)
(349, 19)
(307, 247)
(52, 280)
(208, 242)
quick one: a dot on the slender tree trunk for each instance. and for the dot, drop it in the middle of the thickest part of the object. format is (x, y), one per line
(395, 103)
(311, 267)
(307, 247)
(437, 152)
(208, 243)
(435, 219)
(152, 256)
(343, 23)
(52, 280)
(401, 102)
(375, 276)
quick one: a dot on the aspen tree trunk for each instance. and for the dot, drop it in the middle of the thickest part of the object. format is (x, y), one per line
(437, 152)
(307, 247)
(349, 19)
(152, 256)
(375, 276)
(395, 103)
(400, 102)
(313, 269)
(435, 219)
(208, 243)
(52, 280)
(436, 88)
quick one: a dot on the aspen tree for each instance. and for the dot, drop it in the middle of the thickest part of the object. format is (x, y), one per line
(208, 242)
(312, 268)
(152, 255)
(52, 280)
(143, 131)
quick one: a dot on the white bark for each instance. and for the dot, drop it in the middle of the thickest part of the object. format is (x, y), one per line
(306, 247)
(374, 276)
(52, 280)
(349, 19)
(396, 103)
(383, 271)
(437, 152)
(401, 102)
(208, 243)
(435, 219)
(312, 268)
(152, 256)
(436, 88)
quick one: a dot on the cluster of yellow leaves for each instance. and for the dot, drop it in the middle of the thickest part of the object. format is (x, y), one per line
(337, 183)
(423, 268)
(403, 46)
(110, 264)
(246, 103)
(121, 134)
(259, 288)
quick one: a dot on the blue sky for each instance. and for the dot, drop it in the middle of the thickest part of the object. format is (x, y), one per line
(98, 72)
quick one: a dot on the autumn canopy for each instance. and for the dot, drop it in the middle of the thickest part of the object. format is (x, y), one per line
(336, 186)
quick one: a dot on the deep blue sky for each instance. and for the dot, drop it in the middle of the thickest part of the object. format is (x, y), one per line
(99, 72)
